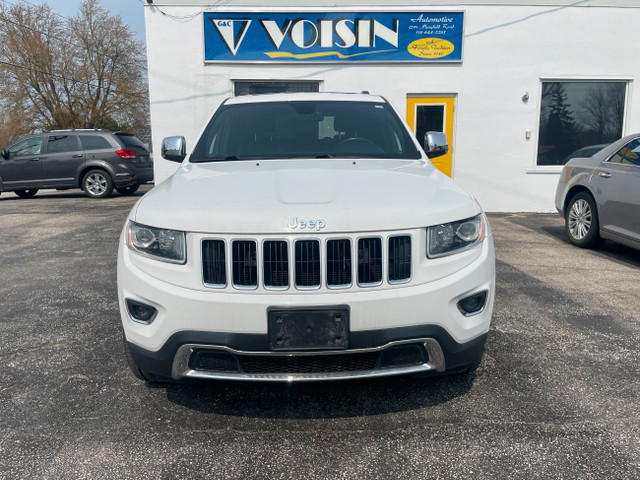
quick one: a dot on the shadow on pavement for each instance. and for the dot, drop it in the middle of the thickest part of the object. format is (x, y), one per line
(343, 399)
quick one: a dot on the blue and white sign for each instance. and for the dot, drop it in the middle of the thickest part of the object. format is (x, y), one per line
(333, 37)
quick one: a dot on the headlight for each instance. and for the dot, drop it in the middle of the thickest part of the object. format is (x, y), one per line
(454, 237)
(160, 243)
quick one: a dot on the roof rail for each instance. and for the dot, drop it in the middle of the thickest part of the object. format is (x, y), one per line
(81, 130)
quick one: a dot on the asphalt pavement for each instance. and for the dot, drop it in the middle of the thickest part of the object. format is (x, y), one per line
(556, 395)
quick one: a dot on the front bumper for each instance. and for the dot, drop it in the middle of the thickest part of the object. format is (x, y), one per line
(373, 354)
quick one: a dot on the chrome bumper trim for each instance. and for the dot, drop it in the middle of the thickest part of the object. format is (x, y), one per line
(180, 368)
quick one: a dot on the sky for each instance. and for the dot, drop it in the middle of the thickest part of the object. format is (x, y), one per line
(131, 11)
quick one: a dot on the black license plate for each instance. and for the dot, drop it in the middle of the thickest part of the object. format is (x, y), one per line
(309, 329)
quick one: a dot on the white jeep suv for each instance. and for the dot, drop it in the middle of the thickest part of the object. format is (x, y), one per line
(305, 237)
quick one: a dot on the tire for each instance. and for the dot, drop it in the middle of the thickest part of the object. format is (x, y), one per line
(130, 190)
(97, 184)
(26, 193)
(581, 221)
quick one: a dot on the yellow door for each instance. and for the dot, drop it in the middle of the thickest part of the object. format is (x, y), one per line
(433, 114)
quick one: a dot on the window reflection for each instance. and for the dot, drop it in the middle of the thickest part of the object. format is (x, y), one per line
(577, 115)
(628, 155)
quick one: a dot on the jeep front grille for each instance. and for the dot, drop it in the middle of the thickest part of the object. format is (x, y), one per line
(335, 263)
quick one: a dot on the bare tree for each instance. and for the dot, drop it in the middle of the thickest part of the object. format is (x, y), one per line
(602, 111)
(85, 72)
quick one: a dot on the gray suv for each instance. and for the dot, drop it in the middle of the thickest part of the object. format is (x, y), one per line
(97, 161)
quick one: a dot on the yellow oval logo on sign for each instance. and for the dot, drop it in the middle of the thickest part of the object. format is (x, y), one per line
(430, 48)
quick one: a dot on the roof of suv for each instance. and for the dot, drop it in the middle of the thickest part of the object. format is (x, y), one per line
(301, 97)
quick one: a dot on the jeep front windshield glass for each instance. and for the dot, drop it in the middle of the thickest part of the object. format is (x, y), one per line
(304, 129)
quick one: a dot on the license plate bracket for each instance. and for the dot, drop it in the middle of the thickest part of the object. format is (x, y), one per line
(309, 329)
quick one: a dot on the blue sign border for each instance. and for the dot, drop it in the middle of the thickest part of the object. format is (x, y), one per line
(333, 37)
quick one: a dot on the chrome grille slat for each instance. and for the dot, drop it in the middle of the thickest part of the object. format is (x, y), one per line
(307, 263)
(339, 263)
(275, 259)
(369, 261)
(245, 264)
(399, 259)
(213, 263)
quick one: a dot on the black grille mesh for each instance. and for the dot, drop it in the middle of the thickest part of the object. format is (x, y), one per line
(213, 263)
(338, 263)
(307, 263)
(276, 264)
(369, 261)
(245, 264)
(309, 364)
(213, 360)
(403, 355)
(399, 258)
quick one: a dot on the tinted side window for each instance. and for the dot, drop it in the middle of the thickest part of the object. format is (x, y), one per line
(94, 142)
(30, 146)
(62, 143)
(628, 155)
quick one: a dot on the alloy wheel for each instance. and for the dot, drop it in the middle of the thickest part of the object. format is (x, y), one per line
(580, 218)
(96, 184)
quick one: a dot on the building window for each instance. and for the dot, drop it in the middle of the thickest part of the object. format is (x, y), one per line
(243, 87)
(585, 116)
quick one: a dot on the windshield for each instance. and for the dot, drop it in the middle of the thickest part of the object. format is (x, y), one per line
(308, 129)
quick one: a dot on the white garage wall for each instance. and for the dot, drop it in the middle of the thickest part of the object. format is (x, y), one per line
(507, 51)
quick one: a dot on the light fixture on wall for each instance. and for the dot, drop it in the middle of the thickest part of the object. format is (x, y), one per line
(525, 97)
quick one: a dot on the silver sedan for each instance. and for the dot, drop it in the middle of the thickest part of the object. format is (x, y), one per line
(599, 196)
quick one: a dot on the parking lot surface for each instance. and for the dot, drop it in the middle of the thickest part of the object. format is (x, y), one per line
(555, 397)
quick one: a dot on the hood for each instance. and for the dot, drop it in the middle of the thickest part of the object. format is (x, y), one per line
(305, 196)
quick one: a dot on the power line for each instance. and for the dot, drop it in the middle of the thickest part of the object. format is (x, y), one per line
(188, 18)
(36, 6)
(74, 80)
(5, 19)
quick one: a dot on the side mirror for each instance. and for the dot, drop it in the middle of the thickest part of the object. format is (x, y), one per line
(435, 144)
(5, 154)
(174, 149)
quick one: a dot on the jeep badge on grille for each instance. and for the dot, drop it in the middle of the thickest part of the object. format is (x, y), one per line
(311, 224)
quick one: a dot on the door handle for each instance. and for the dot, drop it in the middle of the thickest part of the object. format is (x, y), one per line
(76, 156)
(34, 159)
(604, 174)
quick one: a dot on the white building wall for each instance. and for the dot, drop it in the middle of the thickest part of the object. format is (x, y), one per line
(507, 51)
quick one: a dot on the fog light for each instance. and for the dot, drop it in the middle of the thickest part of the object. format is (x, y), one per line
(473, 304)
(141, 312)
